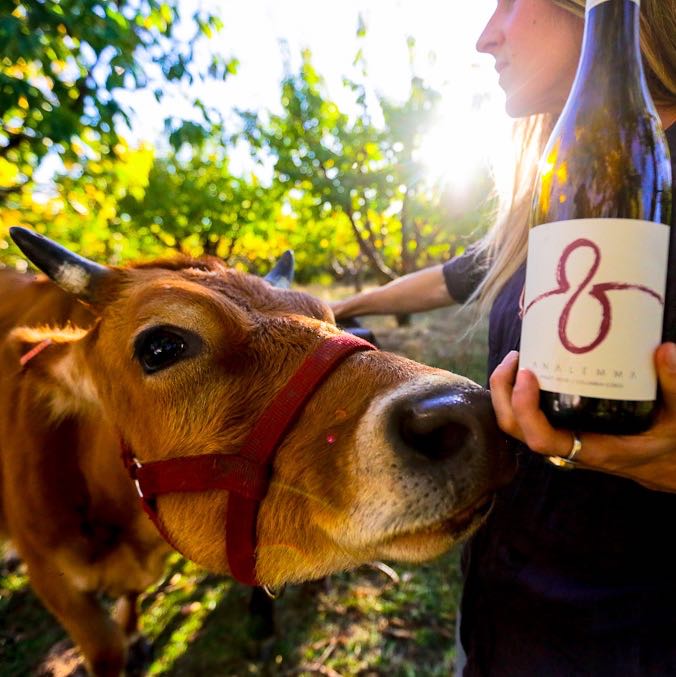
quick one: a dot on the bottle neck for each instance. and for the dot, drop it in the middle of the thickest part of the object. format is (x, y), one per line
(592, 3)
(610, 44)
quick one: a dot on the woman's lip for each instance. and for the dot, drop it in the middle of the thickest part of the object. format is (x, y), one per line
(500, 66)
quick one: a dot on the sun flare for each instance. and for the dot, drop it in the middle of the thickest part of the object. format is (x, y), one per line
(466, 139)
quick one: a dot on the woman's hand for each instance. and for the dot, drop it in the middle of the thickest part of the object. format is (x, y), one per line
(424, 289)
(648, 458)
(338, 308)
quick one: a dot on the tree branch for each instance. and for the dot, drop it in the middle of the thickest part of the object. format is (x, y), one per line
(384, 272)
(176, 247)
(407, 259)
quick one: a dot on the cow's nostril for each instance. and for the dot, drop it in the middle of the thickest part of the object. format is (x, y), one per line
(433, 428)
(437, 443)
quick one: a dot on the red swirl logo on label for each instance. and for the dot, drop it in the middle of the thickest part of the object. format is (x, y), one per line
(598, 291)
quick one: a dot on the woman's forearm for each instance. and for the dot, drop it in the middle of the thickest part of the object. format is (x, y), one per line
(413, 293)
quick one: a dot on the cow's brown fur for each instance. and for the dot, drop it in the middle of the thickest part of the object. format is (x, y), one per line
(72, 511)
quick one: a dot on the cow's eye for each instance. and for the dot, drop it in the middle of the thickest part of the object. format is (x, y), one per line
(160, 347)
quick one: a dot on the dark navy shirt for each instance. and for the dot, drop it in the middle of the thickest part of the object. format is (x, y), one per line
(574, 572)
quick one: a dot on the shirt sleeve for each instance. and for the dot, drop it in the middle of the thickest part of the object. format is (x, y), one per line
(464, 273)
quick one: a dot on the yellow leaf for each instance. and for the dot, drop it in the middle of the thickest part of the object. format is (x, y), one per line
(108, 212)
(8, 173)
(166, 13)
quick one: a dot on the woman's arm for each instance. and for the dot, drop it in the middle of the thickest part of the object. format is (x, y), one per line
(413, 293)
(648, 458)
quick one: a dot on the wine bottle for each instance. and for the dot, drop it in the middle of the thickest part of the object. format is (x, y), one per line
(597, 251)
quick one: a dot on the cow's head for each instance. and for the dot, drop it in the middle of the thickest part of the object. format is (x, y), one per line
(389, 459)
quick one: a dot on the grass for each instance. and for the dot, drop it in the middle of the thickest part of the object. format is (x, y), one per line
(367, 622)
(356, 623)
(27, 631)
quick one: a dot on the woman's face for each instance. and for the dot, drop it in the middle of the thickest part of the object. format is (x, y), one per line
(536, 45)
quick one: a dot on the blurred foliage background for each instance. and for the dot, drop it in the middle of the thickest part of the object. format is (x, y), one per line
(347, 191)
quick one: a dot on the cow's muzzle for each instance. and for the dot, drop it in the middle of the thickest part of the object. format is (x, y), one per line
(454, 423)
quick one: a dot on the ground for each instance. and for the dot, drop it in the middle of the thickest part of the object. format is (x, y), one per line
(374, 621)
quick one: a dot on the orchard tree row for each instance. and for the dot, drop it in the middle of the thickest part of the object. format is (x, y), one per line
(347, 191)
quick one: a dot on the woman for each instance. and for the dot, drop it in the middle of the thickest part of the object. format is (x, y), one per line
(574, 573)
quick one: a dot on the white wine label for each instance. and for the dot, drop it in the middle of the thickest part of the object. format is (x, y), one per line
(593, 3)
(593, 306)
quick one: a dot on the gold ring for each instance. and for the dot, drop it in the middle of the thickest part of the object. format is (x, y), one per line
(568, 463)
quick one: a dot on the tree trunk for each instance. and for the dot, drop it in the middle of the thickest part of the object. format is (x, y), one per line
(407, 256)
(383, 272)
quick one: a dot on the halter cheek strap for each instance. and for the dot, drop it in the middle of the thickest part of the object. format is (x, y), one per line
(34, 351)
(246, 474)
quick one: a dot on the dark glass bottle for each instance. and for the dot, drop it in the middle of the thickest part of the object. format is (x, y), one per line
(597, 258)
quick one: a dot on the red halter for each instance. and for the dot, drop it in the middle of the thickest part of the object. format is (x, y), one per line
(246, 474)
(33, 352)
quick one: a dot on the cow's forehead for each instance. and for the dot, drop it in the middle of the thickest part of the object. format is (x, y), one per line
(146, 284)
(214, 289)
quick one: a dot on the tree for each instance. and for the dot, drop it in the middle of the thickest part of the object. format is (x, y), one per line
(193, 204)
(81, 210)
(62, 62)
(367, 175)
(350, 196)
(318, 150)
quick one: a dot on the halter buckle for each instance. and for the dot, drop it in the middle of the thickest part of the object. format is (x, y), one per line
(136, 464)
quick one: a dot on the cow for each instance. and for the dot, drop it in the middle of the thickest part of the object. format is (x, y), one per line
(132, 396)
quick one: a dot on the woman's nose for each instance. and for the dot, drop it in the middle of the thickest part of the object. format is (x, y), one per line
(491, 37)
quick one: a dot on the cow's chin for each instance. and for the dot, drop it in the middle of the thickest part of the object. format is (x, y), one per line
(422, 543)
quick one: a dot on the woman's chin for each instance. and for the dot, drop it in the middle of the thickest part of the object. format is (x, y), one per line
(515, 107)
(520, 106)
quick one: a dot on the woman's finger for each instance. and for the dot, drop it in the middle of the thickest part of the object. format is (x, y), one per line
(537, 431)
(665, 360)
(501, 382)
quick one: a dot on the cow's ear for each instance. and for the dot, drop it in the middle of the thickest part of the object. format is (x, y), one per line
(75, 274)
(54, 369)
(281, 275)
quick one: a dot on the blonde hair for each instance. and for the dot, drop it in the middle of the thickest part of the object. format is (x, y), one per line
(505, 244)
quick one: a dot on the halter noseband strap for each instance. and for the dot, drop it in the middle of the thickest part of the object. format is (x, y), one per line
(246, 474)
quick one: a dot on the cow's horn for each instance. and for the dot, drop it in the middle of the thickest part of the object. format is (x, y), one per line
(73, 273)
(282, 274)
